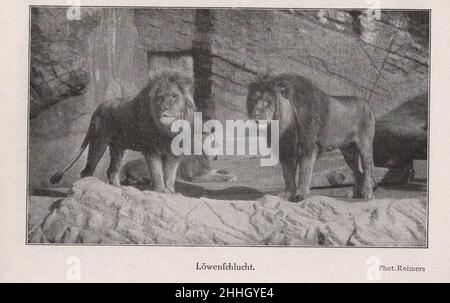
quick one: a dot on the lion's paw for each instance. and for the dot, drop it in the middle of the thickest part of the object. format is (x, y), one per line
(298, 197)
(367, 193)
(168, 191)
(367, 196)
(114, 182)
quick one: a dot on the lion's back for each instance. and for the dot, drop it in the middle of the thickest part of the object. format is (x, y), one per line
(119, 117)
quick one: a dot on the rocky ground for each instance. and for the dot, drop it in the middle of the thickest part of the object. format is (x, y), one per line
(249, 212)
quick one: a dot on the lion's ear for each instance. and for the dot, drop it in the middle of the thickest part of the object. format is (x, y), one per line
(152, 75)
(252, 87)
(186, 83)
(283, 90)
(190, 101)
(253, 90)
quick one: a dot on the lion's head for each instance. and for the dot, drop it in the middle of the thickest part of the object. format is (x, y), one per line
(295, 101)
(168, 98)
(267, 99)
(261, 100)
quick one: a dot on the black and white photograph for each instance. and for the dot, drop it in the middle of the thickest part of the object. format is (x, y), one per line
(241, 127)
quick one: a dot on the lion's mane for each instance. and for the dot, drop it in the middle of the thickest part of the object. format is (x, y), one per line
(157, 87)
(305, 117)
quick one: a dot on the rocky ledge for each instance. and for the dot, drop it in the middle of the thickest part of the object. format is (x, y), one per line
(96, 213)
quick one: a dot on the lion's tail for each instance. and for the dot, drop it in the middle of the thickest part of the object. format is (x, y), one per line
(56, 177)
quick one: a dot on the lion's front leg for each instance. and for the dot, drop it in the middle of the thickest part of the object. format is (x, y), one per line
(289, 167)
(170, 167)
(155, 167)
(306, 165)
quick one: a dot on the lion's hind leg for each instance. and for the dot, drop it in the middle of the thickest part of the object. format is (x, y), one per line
(289, 168)
(95, 153)
(365, 146)
(306, 165)
(351, 156)
(98, 139)
(367, 165)
(116, 155)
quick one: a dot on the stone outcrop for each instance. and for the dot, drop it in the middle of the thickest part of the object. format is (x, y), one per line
(97, 213)
(401, 135)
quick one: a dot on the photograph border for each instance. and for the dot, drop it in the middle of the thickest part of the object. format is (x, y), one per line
(27, 181)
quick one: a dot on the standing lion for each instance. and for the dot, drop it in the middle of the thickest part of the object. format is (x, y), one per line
(312, 122)
(143, 124)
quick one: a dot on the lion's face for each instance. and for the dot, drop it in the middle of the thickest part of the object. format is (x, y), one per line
(170, 101)
(261, 103)
(170, 106)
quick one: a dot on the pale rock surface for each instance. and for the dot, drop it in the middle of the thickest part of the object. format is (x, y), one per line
(97, 213)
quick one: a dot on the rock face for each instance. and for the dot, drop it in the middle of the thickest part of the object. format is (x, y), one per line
(383, 60)
(88, 50)
(97, 213)
(59, 66)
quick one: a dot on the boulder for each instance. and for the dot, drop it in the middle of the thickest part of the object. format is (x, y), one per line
(96, 213)
(401, 135)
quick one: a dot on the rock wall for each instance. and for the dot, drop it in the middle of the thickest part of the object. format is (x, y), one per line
(347, 53)
(77, 64)
(111, 61)
(58, 63)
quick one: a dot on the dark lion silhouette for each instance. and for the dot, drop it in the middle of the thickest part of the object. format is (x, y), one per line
(142, 123)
